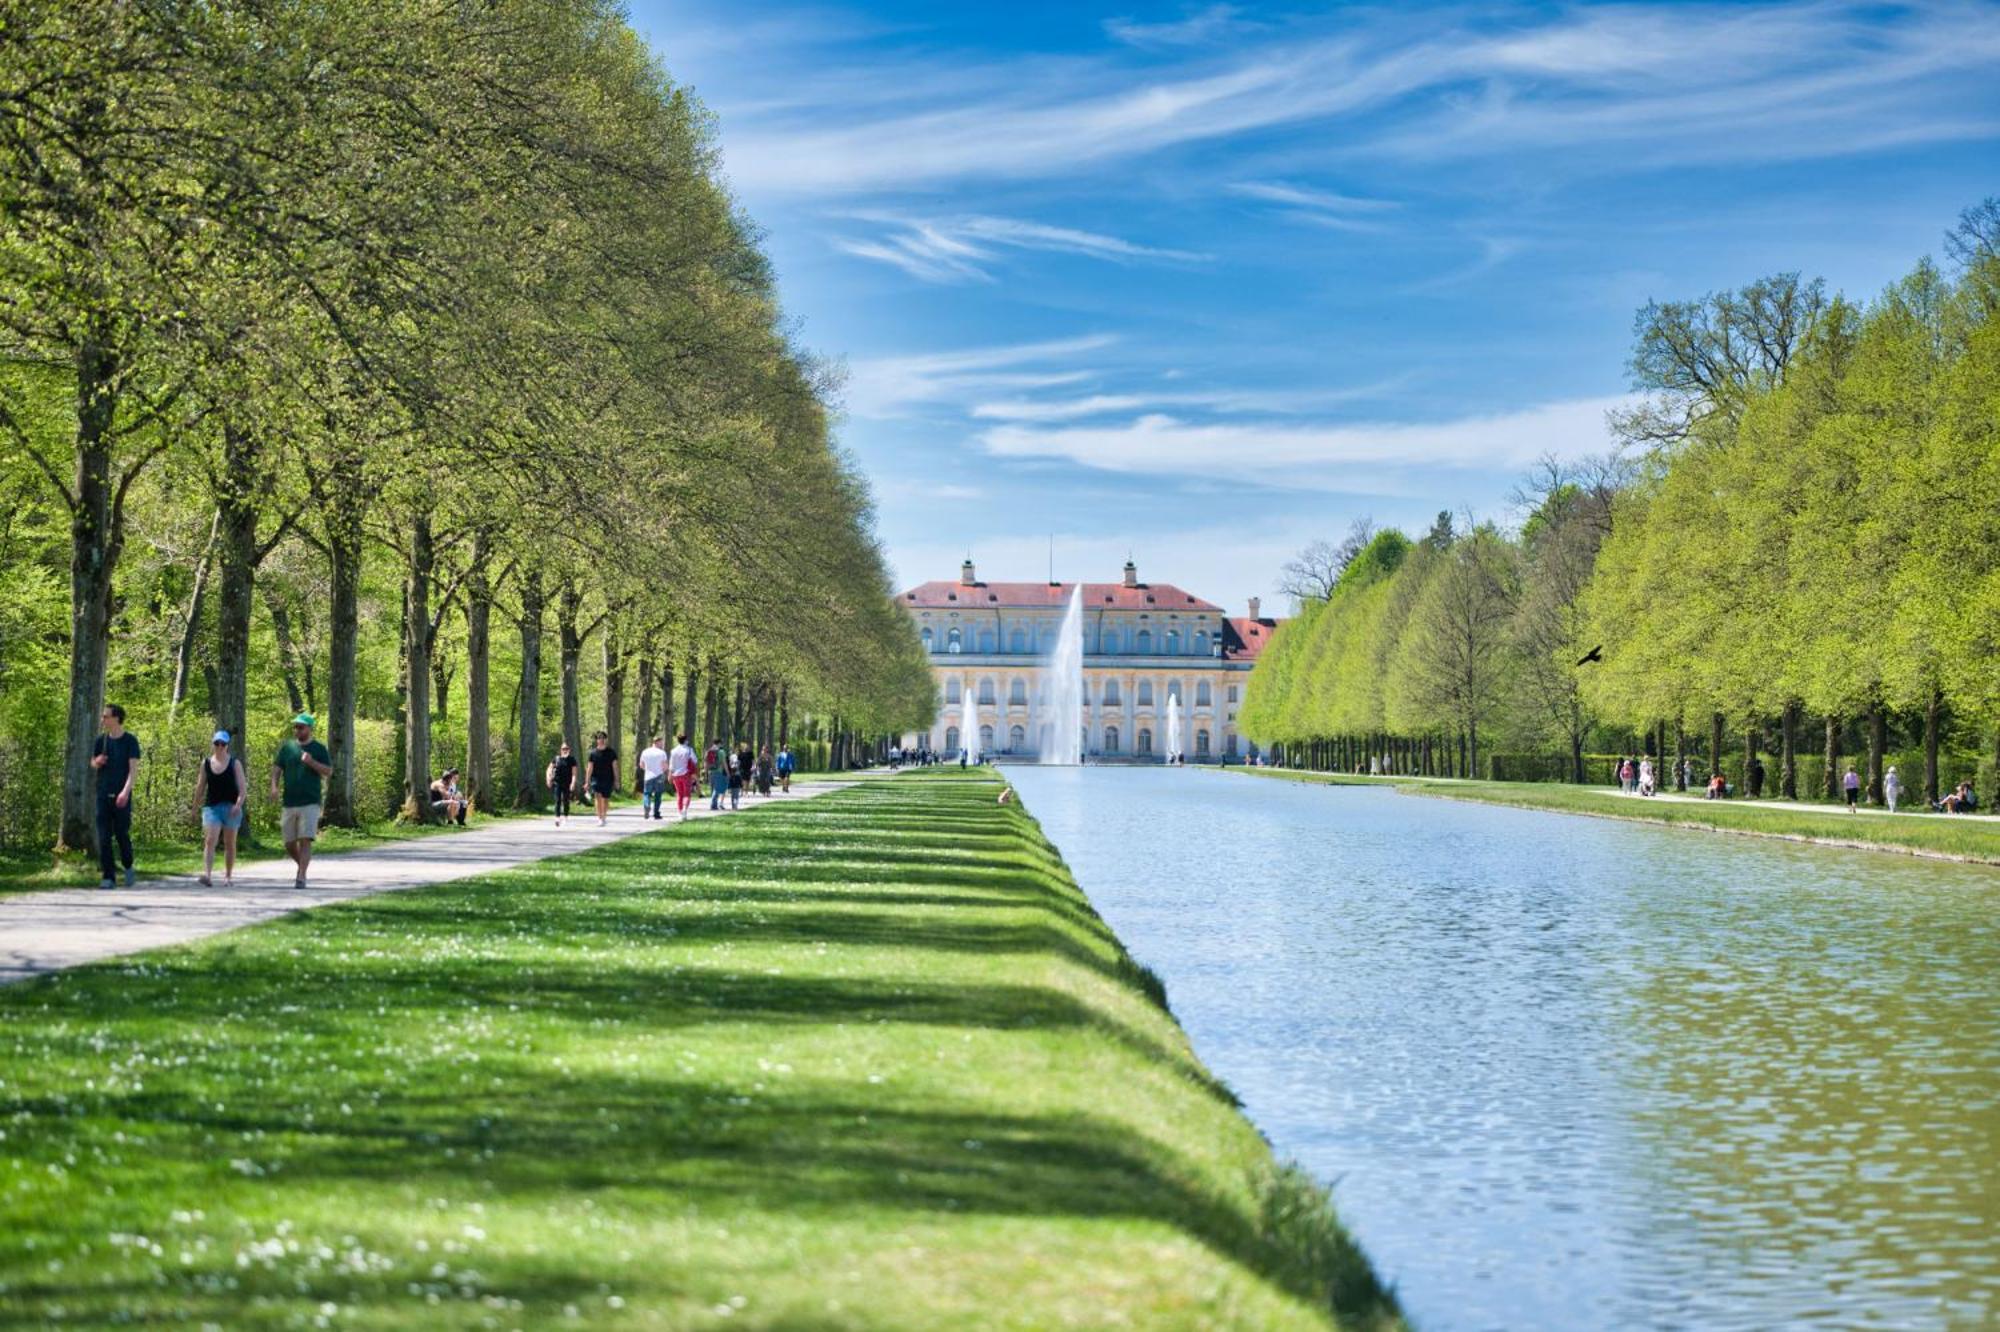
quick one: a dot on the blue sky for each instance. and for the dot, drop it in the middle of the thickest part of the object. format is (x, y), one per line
(1203, 282)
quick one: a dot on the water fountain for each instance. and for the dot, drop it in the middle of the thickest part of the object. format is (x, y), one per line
(1065, 719)
(1173, 728)
(968, 727)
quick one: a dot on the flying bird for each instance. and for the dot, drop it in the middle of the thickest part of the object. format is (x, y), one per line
(1595, 654)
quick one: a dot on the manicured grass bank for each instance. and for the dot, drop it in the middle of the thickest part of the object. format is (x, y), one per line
(1926, 834)
(867, 1061)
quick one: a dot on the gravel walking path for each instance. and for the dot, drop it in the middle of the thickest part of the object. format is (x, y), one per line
(48, 931)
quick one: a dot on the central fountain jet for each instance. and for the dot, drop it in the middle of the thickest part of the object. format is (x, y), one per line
(1065, 717)
(1174, 750)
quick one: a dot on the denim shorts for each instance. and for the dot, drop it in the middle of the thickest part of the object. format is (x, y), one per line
(221, 816)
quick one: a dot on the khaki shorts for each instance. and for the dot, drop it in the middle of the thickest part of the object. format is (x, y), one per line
(300, 823)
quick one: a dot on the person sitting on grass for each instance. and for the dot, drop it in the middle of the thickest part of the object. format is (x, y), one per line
(447, 801)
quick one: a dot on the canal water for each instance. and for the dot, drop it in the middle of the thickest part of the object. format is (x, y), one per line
(1574, 1073)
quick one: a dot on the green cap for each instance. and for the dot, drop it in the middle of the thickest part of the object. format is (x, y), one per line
(304, 719)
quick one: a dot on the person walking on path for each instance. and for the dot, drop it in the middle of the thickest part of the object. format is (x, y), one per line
(680, 771)
(115, 755)
(562, 780)
(1645, 777)
(764, 773)
(220, 788)
(740, 765)
(601, 768)
(786, 763)
(653, 765)
(1892, 787)
(1852, 783)
(718, 776)
(300, 765)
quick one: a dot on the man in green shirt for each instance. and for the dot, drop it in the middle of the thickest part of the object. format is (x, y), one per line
(302, 761)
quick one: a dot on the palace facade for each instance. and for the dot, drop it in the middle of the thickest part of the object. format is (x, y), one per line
(1143, 643)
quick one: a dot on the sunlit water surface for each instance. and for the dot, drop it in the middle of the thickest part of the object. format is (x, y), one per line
(1573, 1073)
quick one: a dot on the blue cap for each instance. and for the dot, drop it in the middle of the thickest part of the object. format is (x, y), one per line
(221, 738)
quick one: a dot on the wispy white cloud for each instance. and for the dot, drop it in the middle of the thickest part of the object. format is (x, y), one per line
(1318, 208)
(895, 385)
(1264, 402)
(1197, 29)
(1659, 82)
(964, 249)
(1318, 456)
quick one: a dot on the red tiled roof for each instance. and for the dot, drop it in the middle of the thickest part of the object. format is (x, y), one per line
(1243, 639)
(945, 594)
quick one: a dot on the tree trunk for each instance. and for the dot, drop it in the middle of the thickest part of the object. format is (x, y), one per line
(479, 678)
(1751, 738)
(343, 548)
(688, 703)
(666, 706)
(569, 608)
(184, 651)
(528, 788)
(614, 686)
(1878, 744)
(417, 644)
(736, 716)
(236, 553)
(1715, 743)
(96, 536)
(1832, 778)
(708, 710)
(1933, 719)
(288, 652)
(1788, 758)
(1680, 753)
(784, 715)
(642, 722)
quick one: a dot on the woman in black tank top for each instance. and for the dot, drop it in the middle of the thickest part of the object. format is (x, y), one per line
(218, 800)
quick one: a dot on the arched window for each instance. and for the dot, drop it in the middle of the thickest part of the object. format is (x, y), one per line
(1145, 694)
(954, 643)
(986, 739)
(928, 644)
(1229, 744)
(986, 690)
(951, 745)
(1145, 643)
(988, 641)
(1110, 640)
(951, 690)
(1111, 691)
(1174, 690)
(1111, 739)
(1018, 691)
(1145, 742)
(1049, 635)
(1173, 642)
(1018, 641)
(1203, 695)
(1017, 739)
(1201, 744)
(1201, 642)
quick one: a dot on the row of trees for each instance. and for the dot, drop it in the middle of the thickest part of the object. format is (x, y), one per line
(330, 331)
(1805, 524)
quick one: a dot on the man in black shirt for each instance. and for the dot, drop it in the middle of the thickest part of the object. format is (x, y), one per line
(115, 755)
(602, 768)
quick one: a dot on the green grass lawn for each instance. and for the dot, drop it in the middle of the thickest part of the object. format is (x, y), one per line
(1920, 833)
(29, 871)
(868, 1061)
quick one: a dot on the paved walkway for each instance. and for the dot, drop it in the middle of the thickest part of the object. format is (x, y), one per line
(48, 931)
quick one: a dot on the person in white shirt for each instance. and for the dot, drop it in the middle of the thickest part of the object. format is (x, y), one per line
(680, 771)
(653, 763)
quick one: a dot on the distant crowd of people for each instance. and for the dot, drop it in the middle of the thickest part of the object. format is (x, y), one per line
(1635, 776)
(301, 764)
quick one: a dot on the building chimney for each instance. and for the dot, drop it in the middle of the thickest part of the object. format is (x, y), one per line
(966, 578)
(1131, 574)
(1254, 604)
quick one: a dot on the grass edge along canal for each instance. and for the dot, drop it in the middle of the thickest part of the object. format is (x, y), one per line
(1933, 836)
(866, 1061)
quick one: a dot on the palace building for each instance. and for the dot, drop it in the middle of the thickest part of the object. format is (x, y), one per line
(1143, 643)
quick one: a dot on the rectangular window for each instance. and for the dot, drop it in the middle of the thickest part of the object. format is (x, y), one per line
(1232, 693)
